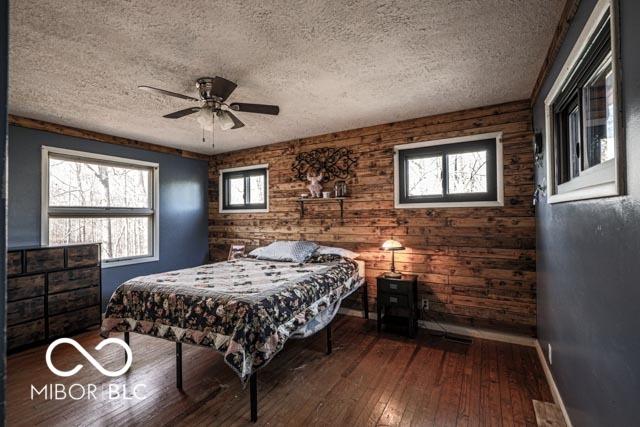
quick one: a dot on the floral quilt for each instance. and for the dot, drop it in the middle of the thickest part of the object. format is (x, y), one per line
(245, 308)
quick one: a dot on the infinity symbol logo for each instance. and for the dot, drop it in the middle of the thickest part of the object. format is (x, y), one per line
(90, 358)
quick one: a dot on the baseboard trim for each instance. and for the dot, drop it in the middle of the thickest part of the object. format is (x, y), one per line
(458, 329)
(552, 384)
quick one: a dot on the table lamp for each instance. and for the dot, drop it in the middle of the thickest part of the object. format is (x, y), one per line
(393, 246)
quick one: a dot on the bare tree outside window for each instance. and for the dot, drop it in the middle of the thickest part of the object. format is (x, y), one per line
(467, 172)
(91, 201)
(425, 176)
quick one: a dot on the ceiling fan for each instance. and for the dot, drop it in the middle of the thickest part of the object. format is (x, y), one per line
(213, 92)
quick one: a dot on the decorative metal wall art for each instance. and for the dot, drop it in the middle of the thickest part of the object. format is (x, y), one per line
(333, 163)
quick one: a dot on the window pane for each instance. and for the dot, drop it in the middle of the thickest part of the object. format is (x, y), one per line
(121, 237)
(598, 118)
(80, 184)
(574, 141)
(256, 189)
(236, 191)
(467, 172)
(424, 176)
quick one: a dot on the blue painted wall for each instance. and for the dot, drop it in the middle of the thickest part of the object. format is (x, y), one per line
(4, 78)
(183, 201)
(589, 265)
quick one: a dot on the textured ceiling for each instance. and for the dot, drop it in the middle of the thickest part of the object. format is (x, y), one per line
(330, 65)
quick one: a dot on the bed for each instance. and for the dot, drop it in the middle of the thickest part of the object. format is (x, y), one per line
(245, 309)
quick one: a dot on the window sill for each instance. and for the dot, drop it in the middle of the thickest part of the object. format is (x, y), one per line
(478, 204)
(130, 261)
(243, 211)
(596, 182)
(607, 189)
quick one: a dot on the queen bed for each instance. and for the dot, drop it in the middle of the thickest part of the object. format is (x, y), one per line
(245, 308)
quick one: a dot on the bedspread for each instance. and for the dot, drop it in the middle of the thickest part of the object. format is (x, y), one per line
(245, 308)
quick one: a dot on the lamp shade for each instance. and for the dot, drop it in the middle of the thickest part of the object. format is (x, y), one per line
(392, 245)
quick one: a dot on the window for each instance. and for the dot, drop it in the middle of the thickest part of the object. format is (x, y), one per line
(95, 198)
(463, 171)
(244, 189)
(581, 117)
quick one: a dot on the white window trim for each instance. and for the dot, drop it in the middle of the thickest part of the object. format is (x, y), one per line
(238, 169)
(44, 209)
(606, 179)
(468, 138)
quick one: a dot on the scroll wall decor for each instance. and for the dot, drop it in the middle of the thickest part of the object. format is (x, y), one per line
(333, 163)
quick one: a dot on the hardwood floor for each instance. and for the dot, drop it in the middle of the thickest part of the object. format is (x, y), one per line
(370, 379)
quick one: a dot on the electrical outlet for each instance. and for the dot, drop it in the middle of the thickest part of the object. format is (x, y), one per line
(550, 354)
(425, 304)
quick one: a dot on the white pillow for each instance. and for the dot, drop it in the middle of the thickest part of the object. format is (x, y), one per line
(257, 251)
(332, 250)
(288, 250)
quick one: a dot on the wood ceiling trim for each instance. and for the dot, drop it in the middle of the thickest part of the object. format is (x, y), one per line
(29, 123)
(569, 11)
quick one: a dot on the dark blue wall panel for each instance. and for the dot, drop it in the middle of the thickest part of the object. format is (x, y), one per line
(183, 201)
(589, 266)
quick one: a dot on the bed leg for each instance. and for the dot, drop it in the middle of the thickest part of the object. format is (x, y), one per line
(179, 365)
(126, 340)
(328, 329)
(365, 300)
(253, 390)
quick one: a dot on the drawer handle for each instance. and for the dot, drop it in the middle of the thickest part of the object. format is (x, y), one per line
(393, 285)
(393, 299)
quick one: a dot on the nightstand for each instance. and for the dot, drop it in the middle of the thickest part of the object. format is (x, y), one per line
(397, 299)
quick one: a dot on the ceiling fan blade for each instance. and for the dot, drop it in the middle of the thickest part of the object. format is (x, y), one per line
(166, 92)
(237, 122)
(222, 87)
(181, 113)
(255, 108)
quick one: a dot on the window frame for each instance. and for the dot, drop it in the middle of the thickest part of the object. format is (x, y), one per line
(153, 213)
(491, 141)
(605, 179)
(243, 171)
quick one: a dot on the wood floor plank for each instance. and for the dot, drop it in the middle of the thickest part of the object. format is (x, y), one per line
(370, 379)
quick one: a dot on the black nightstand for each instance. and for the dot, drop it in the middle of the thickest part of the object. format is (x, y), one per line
(398, 299)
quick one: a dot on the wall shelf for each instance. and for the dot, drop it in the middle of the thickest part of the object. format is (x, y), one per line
(340, 200)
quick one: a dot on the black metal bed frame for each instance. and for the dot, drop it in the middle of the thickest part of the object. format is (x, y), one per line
(253, 379)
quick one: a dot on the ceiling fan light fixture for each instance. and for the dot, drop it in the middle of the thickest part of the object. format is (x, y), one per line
(205, 118)
(224, 121)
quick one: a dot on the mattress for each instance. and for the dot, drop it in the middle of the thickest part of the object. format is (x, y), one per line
(246, 308)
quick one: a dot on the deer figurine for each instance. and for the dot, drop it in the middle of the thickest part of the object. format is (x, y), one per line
(315, 188)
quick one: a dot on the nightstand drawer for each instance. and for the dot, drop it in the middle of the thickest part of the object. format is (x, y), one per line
(394, 286)
(394, 300)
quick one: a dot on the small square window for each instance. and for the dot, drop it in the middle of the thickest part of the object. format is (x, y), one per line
(456, 172)
(243, 189)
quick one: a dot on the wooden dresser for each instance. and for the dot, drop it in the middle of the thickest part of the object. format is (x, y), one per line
(52, 291)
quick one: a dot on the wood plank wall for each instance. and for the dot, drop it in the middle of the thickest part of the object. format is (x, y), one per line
(476, 265)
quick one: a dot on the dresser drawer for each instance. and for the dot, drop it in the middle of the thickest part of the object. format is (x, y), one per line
(394, 300)
(69, 301)
(25, 333)
(61, 281)
(25, 310)
(392, 286)
(25, 287)
(83, 256)
(68, 323)
(14, 263)
(44, 259)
